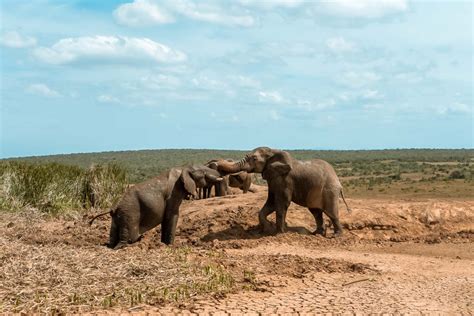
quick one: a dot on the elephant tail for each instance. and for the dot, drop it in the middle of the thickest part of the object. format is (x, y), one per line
(349, 210)
(99, 215)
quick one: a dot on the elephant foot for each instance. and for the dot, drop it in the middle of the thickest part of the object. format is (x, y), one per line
(337, 234)
(266, 228)
(320, 231)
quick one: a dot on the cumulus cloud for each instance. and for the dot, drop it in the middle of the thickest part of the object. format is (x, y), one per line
(270, 96)
(16, 40)
(108, 49)
(142, 13)
(42, 90)
(340, 45)
(150, 12)
(363, 8)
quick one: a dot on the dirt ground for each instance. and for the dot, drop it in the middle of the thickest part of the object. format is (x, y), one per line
(396, 256)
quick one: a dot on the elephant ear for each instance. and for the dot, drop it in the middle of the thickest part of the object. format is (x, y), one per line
(188, 181)
(277, 165)
(173, 176)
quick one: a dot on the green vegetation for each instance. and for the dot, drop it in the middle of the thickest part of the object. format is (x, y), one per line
(53, 187)
(143, 164)
(81, 181)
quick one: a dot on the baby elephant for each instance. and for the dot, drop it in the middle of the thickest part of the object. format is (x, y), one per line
(153, 202)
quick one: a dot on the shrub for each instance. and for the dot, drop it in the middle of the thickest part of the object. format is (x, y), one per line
(456, 174)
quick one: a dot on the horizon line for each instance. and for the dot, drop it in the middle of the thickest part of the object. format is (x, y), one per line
(225, 149)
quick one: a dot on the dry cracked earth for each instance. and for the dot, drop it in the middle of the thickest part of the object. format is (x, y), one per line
(396, 256)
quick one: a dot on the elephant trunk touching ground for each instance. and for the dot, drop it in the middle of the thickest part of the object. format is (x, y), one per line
(312, 184)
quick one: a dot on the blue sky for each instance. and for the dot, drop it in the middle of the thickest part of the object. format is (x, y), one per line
(85, 76)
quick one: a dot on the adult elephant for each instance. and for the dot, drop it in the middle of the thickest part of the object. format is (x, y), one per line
(153, 202)
(313, 184)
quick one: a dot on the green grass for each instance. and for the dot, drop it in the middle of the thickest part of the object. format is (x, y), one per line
(52, 187)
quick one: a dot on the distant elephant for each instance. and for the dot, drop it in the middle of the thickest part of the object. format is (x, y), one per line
(153, 202)
(220, 188)
(241, 180)
(313, 184)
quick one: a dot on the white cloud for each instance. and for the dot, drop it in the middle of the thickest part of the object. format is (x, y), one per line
(212, 14)
(108, 49)
(273, 3)
(142, 13)
(363, 8)
(372, 95)
(16, 40)
(161, 81)
(359, 79)
(455, 107)
(272, 96)
(204, 82)
(245, 82)
(104, 98)
(340, 45)
(150, 12)
(42, 90)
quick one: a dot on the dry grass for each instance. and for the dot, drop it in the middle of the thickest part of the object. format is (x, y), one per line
(48, 275)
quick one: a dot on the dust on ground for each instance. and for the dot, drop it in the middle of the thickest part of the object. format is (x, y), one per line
(396, 256)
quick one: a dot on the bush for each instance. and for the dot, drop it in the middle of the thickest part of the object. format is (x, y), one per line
(52, 187)
(456, 174)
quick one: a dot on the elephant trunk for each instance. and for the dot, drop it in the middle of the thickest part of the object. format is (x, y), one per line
(233, 167)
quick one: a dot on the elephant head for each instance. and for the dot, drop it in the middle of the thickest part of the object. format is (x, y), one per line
(261, 160)
(194, 177)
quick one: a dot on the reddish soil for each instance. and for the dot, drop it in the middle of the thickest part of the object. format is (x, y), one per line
(396, 256)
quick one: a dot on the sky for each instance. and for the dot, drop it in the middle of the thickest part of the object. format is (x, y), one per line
(89, 76)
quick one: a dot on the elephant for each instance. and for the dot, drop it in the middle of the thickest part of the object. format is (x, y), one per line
(241, 180)
(153, 202)
(312, 184)
(220, 188)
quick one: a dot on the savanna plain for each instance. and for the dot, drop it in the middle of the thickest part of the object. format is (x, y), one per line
(407, 245)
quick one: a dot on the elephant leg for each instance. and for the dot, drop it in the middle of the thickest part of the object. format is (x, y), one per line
(114, 234)
(168, 227)
(318, 216)
(128, 231)
(264, 223)
(199, 193)
(331, 208)
(281, 208)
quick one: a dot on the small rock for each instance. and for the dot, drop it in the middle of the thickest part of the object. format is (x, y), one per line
(10, 225)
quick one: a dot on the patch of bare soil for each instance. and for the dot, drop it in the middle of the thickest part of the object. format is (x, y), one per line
(396, 256)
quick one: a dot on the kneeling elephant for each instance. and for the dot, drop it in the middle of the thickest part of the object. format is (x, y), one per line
(153, 202)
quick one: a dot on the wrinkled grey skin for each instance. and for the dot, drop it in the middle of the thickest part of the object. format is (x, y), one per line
(312, 184)
(153, 202)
